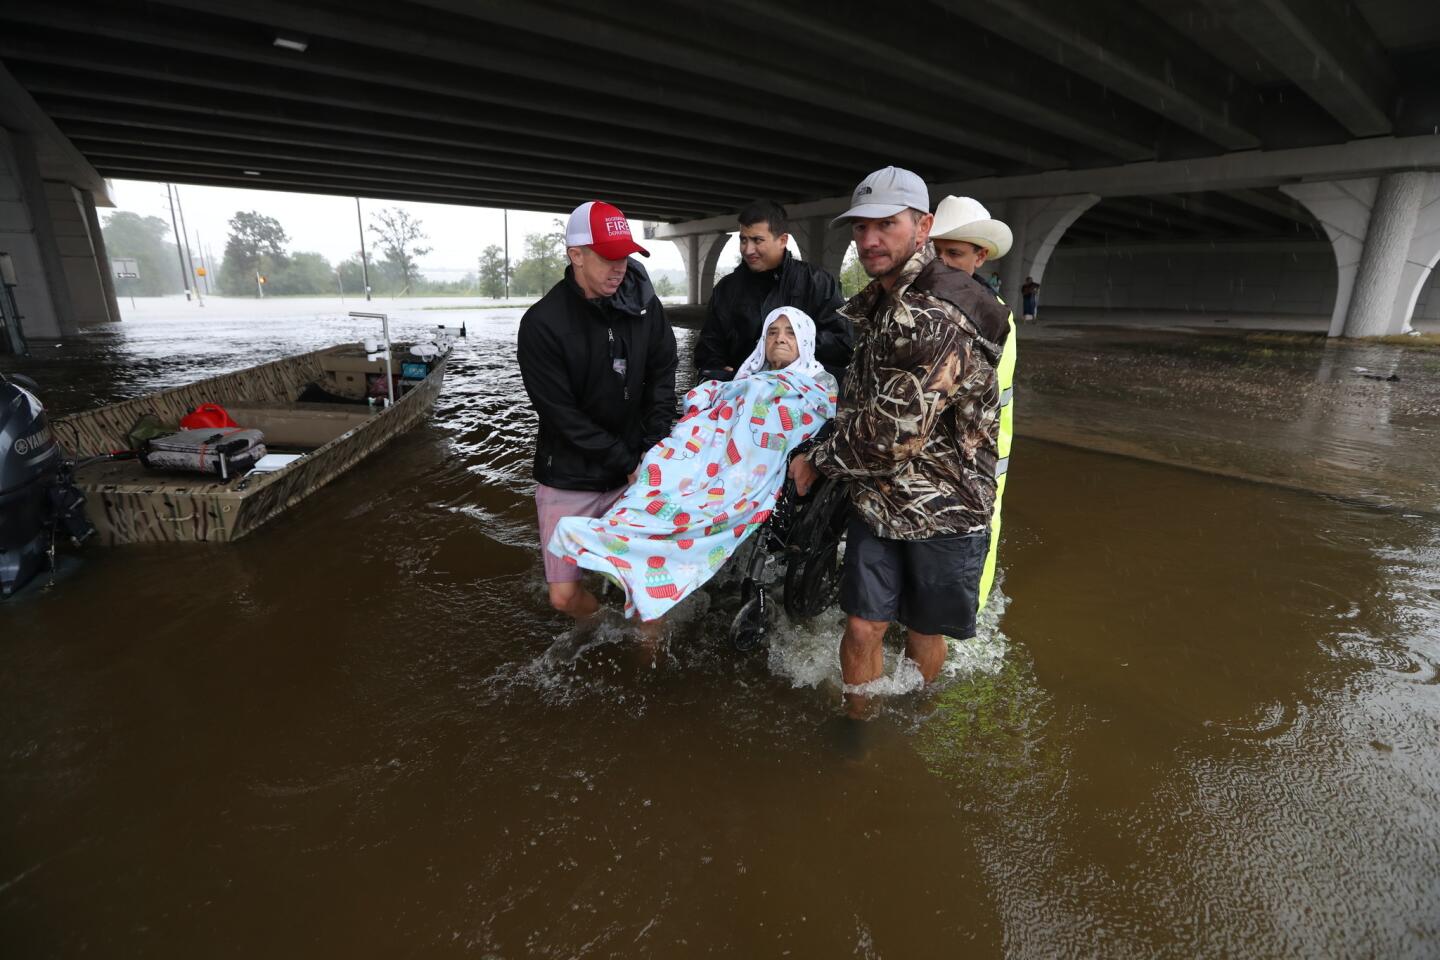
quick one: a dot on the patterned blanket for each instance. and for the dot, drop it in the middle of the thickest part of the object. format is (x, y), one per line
(701, 491)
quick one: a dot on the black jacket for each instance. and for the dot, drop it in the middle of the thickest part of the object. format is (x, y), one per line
(741, 302)
(594, 423)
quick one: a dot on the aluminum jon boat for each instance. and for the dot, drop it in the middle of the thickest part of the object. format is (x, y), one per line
(129, 503)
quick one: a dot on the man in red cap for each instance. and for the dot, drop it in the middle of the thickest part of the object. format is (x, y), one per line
(598, 361)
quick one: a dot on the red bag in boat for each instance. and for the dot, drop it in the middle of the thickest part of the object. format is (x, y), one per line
(205, 416)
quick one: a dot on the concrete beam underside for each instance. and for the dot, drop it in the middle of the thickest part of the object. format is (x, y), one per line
(1327, 49)
(1342, 204)
(1233, 171)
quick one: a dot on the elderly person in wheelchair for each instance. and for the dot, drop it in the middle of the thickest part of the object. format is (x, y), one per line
(705, 490)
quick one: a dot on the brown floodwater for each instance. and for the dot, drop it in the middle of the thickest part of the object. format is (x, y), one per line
(1201, 719)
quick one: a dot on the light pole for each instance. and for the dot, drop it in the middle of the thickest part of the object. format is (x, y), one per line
(364, 262)
(189, 257)
(507, 253)
(179, 251)
(206, 263)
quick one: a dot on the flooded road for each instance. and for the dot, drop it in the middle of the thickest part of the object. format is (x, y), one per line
(1205, 722)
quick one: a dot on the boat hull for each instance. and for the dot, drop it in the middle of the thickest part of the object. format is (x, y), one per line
(175, 509)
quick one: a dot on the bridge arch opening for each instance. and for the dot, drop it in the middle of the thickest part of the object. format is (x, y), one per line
(1214, 254)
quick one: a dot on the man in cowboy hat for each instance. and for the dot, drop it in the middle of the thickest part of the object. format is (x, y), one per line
(965, 237)
(915, 434)
(598, 361)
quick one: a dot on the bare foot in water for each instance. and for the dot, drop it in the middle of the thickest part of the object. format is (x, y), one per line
(652, 642)
(569, 645)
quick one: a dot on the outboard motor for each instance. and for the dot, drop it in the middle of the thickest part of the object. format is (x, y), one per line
(38, 502)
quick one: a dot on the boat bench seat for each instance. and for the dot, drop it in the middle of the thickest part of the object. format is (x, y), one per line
(135, 477)
(292, 426)
(300, 425)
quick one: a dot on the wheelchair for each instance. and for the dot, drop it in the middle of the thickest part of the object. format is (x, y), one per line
(805, 536)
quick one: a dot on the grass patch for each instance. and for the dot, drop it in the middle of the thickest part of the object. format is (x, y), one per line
(479, 306)
(1275, 336)
(1425, 341)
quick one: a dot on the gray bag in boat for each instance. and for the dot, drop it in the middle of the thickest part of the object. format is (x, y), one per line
(221, 452)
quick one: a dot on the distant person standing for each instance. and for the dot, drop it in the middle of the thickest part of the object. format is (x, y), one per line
(771, 277)
(1030, 297)
(994, 281)
(598, 362)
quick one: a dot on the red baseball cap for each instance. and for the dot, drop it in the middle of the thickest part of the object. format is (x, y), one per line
(602, 228)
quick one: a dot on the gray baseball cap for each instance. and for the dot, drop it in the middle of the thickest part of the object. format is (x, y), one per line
(885, 193)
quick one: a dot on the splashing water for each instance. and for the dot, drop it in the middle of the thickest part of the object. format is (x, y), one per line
(808, 654)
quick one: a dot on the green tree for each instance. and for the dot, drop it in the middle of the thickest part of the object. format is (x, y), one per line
(302, 273)
(256, 245)
(853, 278)
(385, 279)
(398, 237)
(466, 285)
(352, 276)
(543, 265)
(492, 272)
(143, 239)
(665, 287)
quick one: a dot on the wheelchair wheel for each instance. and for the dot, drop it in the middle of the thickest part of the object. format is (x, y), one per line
(812, 579)
(752, 623)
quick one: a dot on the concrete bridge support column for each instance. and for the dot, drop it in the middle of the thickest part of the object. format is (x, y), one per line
(86, 202)
(1037, 224)
(1013, 266)
(821, 245)
(27, 234)
(700, 252)
(1387, 241)
(1422, 255)
(1385, 232)
(52, 234)
(1343, 209)
(82, 253)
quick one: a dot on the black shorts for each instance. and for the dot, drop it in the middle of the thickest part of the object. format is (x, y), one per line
(930, 586)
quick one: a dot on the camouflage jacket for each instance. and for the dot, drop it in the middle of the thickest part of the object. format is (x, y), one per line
(916, 430)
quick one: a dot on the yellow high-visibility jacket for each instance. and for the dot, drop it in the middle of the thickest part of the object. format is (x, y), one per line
(1005, 382)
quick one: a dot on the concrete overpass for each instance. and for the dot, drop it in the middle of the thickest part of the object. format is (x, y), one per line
(48, 226)
(1137, 125)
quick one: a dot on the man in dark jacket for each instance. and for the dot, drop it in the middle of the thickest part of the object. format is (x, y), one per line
(771, 277)
(598, 361)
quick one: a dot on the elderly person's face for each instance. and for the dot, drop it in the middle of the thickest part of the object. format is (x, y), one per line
(781, 347)
(596, 276)
(885, 243)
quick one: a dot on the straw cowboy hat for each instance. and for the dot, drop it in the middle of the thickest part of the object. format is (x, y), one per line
(963, 218)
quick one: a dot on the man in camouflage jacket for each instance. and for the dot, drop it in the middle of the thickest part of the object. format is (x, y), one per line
(915, 434)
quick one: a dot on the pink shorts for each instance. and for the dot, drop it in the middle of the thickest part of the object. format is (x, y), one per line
(552, 504)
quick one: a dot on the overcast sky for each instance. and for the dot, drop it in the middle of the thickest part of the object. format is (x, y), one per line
(327, 225)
